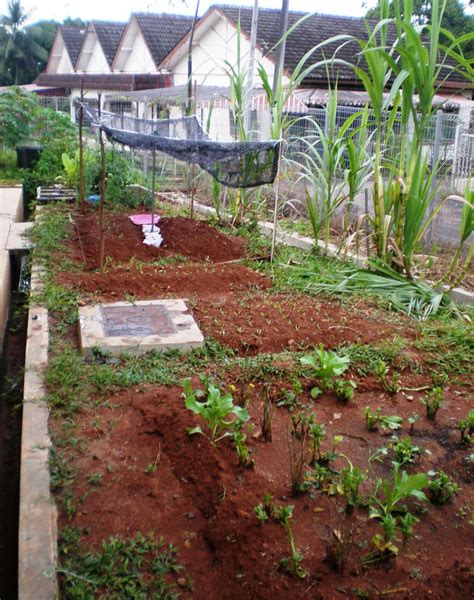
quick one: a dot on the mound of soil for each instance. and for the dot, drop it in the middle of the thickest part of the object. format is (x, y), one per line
(198, 498)
(181, 236)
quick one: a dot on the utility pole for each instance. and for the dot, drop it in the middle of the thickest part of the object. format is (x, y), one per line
(250, 70)
(190, 60)
(280, 58)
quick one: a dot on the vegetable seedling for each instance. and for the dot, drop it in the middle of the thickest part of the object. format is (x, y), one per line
(327, 366)
(432, 401)
(442, 488)
(215, 410)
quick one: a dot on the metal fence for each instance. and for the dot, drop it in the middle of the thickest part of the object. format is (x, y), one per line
(447, 141)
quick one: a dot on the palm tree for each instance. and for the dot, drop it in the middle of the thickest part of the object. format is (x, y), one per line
(21, 50)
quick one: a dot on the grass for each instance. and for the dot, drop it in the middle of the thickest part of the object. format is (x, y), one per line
(448, 344)
(140, 567)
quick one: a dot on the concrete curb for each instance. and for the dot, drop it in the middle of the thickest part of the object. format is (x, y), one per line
(37, 536)
(458, 295)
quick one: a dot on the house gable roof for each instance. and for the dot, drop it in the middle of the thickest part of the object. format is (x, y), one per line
(162, 32)
(109, 34)
(73, 38)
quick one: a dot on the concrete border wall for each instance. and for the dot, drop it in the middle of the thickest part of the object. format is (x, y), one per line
(37, 535)
(11, 211)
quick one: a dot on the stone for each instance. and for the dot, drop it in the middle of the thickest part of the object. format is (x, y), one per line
(138, 327)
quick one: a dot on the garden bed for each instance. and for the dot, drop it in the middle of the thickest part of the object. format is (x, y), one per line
(125, 464)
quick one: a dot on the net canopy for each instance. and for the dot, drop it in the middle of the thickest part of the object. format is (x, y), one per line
(234, 164)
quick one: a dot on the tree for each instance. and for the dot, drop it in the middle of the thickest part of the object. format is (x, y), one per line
(22, 51)
(455, 19)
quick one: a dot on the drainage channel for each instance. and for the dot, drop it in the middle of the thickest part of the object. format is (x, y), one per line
(11, 394)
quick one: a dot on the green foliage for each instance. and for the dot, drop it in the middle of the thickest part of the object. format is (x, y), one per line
(261, 513)
(239, 438)
(448, 345)
(466, 428)
(215, 410)
(389, 493)
(455, 18)
(24, 49)
(282, 514)
(432, 401)
(386, 501)
(292, 564)
(344, 389)
(374, 418)
(406, 452)
(350, 480)
(323, 166)
(17, 110)
(139, 567)
(442, 488)
(413, 298)
(390, 384)
(327, 366)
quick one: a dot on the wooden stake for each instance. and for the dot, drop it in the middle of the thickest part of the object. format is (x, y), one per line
(102, 192)
(275, 208)
(153, 176)
(82, 202)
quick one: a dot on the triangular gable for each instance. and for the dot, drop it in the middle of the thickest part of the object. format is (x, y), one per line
(59, 60)
(92, 58)
(133, 54)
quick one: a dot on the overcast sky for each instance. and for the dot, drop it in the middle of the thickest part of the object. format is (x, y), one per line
(119, 10)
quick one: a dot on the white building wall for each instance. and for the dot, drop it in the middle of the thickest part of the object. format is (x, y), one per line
(59, 61)
(138, 59)
(94, 61)
(217, 45)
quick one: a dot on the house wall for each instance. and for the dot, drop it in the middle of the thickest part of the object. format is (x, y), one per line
(92, 58)
(138, 59)
(217, 44)
(59, 61)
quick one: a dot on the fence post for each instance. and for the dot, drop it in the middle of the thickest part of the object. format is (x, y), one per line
(434, 163)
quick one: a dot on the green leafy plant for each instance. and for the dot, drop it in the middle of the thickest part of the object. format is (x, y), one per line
(344, 389)
(292, 564)
(432, 401)
(442, 488)
(466, 428)
(350, 480)
(389, 384)
(405, 524)
(215, 410)
(374, 418)
(239, 438)
(327, 366)
(140, 567)
(412, 419)
(385, 502)
(261, 513)
(406, 452)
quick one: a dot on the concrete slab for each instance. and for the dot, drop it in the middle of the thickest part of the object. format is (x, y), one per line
(136, 328)
(17, 239)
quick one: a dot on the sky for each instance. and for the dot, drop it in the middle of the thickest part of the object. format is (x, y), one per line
(119, 10)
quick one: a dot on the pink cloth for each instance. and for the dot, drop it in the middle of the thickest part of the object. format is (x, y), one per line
(143, 219)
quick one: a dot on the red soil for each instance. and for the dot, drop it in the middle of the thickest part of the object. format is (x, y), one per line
(199, 498)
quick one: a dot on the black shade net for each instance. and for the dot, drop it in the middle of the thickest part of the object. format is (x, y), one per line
(234, 164)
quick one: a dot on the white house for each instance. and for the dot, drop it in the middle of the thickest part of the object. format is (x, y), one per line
(99, 46)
